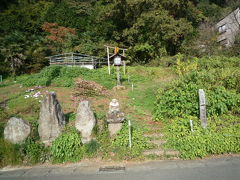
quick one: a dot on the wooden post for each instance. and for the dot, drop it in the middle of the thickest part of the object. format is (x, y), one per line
(202, 108)
(124, 67)
(109, 68)
(73, 60)
(118, 76)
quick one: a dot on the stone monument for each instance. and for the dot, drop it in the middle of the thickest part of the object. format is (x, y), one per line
(85, 121)
(51, 119)
(115, 118)
(16, 130)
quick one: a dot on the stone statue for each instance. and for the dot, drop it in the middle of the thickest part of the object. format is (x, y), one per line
(113, 106)
(115, 118)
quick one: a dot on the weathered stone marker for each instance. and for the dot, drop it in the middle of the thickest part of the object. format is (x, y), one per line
(16, 130)
(51, 119)
(202, 108)
(85, 121)
(115, 118)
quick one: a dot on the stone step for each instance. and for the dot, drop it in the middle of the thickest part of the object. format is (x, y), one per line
(155, 128)
(170, 152)
(159, 142)
(155, 135)
(161, 152)
(158, 152)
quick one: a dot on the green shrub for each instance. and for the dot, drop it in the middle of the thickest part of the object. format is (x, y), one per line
(63, 81)
(142, 74)
(34, 135)
(3, 115)
(2, 125)
(9, 154)
(232, 79)
(90, 149)
(64, 76)
(221, 136)
(8, 81)
(221, 101)
(181, 97)
(185, 65)
(44, 78)
(67, 147)
(121, 142)
(104, 140)
(117, 147)
(70, 117)
(35, 151)
(211, 62)
(141, 53)
(33, 80)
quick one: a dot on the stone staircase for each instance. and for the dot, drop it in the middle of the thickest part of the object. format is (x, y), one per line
(158, 141)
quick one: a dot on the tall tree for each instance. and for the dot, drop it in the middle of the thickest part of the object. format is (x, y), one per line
(24, 16)
(12, 48)
(61, 39)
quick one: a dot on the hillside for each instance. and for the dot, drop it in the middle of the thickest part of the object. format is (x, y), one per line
(159, 101)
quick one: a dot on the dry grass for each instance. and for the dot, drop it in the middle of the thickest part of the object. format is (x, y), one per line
(8, 92)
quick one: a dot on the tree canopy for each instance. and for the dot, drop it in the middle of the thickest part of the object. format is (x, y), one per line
(34, 29)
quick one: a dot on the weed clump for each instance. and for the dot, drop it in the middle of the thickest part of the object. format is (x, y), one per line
(120, 143)
(181, 97)
(9, 153)
(67, 147)
(215, 139)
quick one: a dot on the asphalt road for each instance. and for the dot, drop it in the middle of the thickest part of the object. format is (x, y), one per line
(227, 168)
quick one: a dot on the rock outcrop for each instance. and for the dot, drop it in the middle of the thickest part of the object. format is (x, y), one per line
(51, 120)
(85, 121)
(16, 130)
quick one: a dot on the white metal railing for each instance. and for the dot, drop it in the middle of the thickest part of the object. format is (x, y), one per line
(76, 59)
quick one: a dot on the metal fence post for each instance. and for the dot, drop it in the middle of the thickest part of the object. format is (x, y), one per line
(130, 133)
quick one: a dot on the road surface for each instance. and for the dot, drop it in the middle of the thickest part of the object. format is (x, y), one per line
(227, 168)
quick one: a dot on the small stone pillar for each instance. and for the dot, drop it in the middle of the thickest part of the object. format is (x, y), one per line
(202, 108)
(115, 118)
